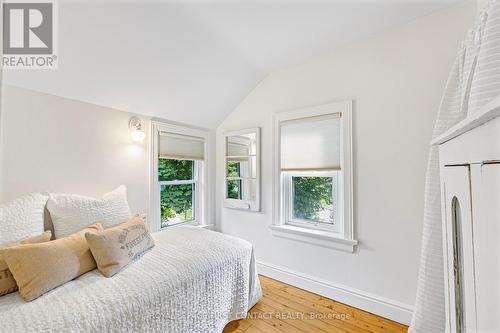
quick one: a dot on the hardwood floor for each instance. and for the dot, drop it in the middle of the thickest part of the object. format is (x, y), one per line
(284, 308)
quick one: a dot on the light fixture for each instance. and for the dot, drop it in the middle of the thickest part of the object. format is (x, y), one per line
(136, 132)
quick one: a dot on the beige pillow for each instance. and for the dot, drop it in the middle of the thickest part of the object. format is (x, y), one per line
(117, 246)
(7, 282)
(38, 268)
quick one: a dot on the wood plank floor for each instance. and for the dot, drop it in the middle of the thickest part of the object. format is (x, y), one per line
(284, 308)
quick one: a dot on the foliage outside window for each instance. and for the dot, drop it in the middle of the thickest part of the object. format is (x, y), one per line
(313, 199)
(233, 169)
(169, 170)
(177, 186)
(233, 185)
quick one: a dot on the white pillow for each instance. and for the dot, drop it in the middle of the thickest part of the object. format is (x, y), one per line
(71, 213)
(22, 217)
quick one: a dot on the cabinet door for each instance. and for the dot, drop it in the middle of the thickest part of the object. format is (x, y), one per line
(459, 256)
(486, 213)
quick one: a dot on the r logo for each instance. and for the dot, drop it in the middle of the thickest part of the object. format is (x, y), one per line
(28, 28)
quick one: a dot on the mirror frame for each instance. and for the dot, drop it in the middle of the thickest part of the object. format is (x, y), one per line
(247, 205)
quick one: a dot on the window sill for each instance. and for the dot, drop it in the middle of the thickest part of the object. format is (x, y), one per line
(316, 237)
(189, 223)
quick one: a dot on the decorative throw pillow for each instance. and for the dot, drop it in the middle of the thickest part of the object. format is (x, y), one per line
(71, 213)
(7, 282)
(38, 268)
(116, 247)
(22, 217)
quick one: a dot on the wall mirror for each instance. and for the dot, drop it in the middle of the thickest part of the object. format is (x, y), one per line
(242, 169)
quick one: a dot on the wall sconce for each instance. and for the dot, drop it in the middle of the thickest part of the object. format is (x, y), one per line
(136, 132)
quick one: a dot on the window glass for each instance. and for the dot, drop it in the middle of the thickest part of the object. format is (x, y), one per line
(242, 167)
(313, 199)
(234, 189)
(176, 203)
(233, 169)
(169, 169)
(177, 189)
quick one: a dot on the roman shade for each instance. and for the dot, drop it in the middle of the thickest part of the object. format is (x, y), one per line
(312, 143)
(238, 149)
(235, 149)
(181, 147)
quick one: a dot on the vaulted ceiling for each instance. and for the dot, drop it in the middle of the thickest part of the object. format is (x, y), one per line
(194, 61)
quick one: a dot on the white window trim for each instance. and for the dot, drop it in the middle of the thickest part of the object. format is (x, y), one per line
(344, 238)
(202, 200)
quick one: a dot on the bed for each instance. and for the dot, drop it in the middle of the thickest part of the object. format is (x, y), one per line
(193, 280)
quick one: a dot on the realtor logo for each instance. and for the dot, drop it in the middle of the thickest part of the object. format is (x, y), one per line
(28, 35)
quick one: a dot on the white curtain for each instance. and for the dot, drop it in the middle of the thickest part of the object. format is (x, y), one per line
(473, 82)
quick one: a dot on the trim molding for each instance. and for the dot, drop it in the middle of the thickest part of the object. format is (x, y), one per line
(345, 178)
(381, 306)
(315, 237)
(205, 200)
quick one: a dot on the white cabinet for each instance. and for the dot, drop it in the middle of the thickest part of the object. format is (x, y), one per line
(470, 186)
(458, 242)
(486, 215)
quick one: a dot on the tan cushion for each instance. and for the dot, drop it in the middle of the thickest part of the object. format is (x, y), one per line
(115, 247)
(7, 282)
(38, 268)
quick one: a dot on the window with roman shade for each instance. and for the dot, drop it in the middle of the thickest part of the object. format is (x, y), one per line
(312, 177)
(178, 192)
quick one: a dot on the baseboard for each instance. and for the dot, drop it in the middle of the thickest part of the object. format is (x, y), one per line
(378, 305)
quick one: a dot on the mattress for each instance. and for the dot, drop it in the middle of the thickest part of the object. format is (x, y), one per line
(193, 280)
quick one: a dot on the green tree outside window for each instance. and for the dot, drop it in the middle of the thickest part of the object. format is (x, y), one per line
(313, 199)
(176, 201)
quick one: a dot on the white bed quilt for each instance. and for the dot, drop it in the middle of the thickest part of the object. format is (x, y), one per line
(193, 280)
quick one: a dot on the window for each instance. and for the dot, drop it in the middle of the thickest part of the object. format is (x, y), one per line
(178, 191)
(313, 199)
(313, 175)
(177, 180)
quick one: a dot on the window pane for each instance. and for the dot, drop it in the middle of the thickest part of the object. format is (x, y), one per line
(241, 145)
(234, 189)
(242, 167)
(175, 169)
(242, 189)
(313, 199)
(233, 169)
(177, 205)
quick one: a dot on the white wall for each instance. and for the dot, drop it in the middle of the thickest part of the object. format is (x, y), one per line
(395, 79)
(56, 144)
(193, 61)
(481, 4)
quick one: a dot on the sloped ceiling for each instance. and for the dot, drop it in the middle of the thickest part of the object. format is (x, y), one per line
(194, 61)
